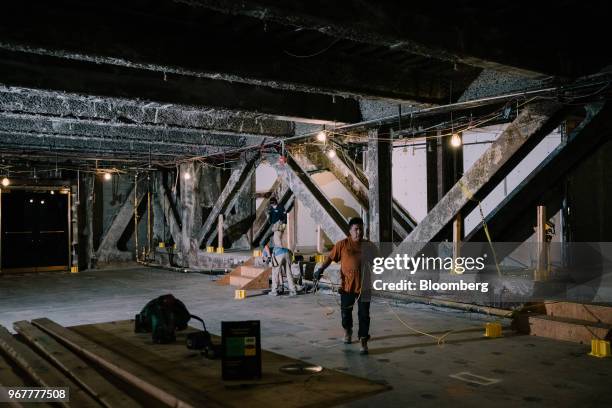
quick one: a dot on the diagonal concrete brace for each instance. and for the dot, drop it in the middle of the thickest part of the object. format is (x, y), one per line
(227, 199)
(108, 244)
(306, 190)
(532, 124)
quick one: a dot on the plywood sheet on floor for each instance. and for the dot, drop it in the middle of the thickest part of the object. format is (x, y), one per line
(198, 380)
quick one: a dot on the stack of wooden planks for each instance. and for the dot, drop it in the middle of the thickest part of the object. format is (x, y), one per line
(109, 365)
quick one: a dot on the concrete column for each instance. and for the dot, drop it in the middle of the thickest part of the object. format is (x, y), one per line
(380, 192)
(457, 236)
(89, 181)
(161, 231)
(541, 271)
(292, 227)
(320, 240)
(220, 231)
(191, 211)
(431, 158)
(449, 170)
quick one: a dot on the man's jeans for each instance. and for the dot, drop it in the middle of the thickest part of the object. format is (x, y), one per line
(347, 300)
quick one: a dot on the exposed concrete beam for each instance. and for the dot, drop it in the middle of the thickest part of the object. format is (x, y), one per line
(378, 170)
(195, 43)
(532, 124)
(112, 131)
(227, 199)
(511, 220)
(101, 146)
(131, 111)
(103, 79)
(306, 190)
(53, 134)
(108, 251)
(485, 38)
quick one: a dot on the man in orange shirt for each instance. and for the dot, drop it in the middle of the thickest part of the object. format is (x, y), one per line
(354, 254)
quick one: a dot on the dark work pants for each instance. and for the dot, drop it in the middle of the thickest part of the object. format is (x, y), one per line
(347, 300)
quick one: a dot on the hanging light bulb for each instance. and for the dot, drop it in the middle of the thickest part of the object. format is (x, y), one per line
(186, 176)
(52, 192)
(107, 176)
(322, 136)
(331, 153)
(456, 140)
(5, 182)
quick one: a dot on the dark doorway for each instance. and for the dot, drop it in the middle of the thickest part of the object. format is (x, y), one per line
(34, 230)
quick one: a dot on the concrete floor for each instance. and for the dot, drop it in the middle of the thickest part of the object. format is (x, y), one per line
(527, 371)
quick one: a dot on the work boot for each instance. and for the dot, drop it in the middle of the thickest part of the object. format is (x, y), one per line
(292, 294)
(347, 336)
(364, 345)
(273, 293)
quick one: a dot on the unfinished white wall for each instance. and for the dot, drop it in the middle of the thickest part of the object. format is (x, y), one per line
(409, 182)
(265, 176)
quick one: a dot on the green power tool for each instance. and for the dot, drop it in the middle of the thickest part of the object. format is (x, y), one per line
(162, 317)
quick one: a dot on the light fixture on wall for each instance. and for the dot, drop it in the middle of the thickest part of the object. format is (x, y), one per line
(5, 182)
(331, 153)
(456, 140)
(107, 176)
(186, 175)
(322, 136)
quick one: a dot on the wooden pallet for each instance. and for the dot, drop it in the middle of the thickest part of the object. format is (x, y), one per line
(108, 365)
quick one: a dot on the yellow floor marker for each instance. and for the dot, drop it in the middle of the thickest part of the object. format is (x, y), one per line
(493, 330)
(600, 348)
(210, 249)
(220, 250)
(240, 294)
